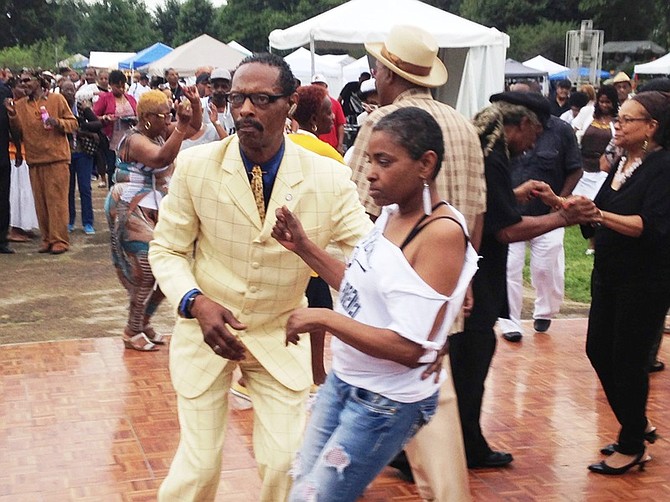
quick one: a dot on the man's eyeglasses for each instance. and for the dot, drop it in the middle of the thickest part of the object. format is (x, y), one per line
(237, 99)
(626, 120)
(27, 80)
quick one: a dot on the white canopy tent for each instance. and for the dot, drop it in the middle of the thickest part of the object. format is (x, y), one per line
(300, 62)
(201, 51)
(352, 71)
(660, 66)
(473, 54)
(108, 60)
(233, 44)
(543, 64)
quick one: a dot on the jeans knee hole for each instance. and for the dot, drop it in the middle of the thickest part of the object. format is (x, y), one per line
(337, 458)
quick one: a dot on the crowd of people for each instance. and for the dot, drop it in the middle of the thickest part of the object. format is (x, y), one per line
(210, 206)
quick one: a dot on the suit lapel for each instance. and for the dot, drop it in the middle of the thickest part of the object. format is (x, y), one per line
(237, 184)
(284, 192)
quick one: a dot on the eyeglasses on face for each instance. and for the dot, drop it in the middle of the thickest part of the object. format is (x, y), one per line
(162, 115)
(237, 99)
(626, 120)
(26, 80)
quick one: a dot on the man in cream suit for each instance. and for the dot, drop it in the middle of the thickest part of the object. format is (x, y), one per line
(237, 286)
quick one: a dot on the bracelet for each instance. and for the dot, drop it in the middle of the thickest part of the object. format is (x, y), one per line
(216, 123)
(182, 310)
(176, 129)
(561, 200)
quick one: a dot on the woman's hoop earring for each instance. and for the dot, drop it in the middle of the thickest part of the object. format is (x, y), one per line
(427, 206)
(147, 125)
(314, 128)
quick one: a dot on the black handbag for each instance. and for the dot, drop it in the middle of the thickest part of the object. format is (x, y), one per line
(88, 142)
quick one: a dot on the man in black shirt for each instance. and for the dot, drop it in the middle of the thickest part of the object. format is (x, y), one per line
(559, 102)
(350, 100)
(511, 125)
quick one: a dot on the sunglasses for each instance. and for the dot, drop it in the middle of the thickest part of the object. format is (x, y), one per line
(26, 80)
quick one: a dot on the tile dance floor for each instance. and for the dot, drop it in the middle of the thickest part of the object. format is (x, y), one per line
(86, 420)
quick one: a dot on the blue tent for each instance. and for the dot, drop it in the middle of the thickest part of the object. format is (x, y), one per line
(146, 56)
(583, 72)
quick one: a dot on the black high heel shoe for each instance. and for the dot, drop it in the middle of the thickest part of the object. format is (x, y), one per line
(650, 437)
(602, 468)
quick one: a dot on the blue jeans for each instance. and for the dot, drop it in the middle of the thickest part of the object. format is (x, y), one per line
(352, 434)
(81, 167)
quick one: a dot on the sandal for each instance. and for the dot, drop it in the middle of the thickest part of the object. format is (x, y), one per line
(139, 342)
(157, 338)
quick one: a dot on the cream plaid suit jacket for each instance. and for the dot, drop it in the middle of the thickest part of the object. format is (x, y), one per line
(209, 236)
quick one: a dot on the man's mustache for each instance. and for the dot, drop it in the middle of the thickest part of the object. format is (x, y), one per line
(248, 123)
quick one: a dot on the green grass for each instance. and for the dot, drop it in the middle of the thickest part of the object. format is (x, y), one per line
(578, 267)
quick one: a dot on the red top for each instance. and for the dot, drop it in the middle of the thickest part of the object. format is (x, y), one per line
(106, 105)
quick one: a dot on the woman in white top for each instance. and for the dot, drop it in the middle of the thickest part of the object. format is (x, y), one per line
(398, 296)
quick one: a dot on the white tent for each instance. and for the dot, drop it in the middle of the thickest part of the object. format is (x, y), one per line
(201, 51)
(473, 54)
(239, 48)
(108, 60)
(300, 62)
(543, 64)
(660, 66)
(352, 71)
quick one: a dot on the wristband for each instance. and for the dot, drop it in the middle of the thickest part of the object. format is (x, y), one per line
(216, 123)
(176, 129)
(186, 302)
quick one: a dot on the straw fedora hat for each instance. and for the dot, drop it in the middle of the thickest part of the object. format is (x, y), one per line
(411, 52)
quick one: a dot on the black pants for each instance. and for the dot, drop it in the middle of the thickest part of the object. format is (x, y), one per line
(5, 179)
(471, 353)
(623, 326)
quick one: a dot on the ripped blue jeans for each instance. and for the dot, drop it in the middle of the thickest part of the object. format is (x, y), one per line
(351, 436)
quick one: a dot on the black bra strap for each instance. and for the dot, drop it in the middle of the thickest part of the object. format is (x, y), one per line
(417, 228)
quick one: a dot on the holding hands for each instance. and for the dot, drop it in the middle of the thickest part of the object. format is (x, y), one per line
(579, 210)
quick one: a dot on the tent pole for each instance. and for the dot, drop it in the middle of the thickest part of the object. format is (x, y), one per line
(311, 52)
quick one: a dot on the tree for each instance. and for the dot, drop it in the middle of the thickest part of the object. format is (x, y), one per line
(117, 25)
(622, 19)
(44, 54)
(195, 18)
(546, 38)
(251, 21)
(165, 21)
(23, 22)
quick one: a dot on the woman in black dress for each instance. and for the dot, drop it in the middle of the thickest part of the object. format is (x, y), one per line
(631, 273)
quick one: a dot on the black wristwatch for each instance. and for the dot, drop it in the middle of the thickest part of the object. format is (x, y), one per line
(187, 303)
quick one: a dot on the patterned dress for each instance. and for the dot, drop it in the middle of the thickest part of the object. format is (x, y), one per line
(131, 208)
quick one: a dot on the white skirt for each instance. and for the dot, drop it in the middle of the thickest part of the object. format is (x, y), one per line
(21, 201)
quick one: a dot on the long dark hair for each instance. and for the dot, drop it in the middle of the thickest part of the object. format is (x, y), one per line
(610, 92)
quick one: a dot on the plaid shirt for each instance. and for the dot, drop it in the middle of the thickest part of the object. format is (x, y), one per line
(460, 181)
